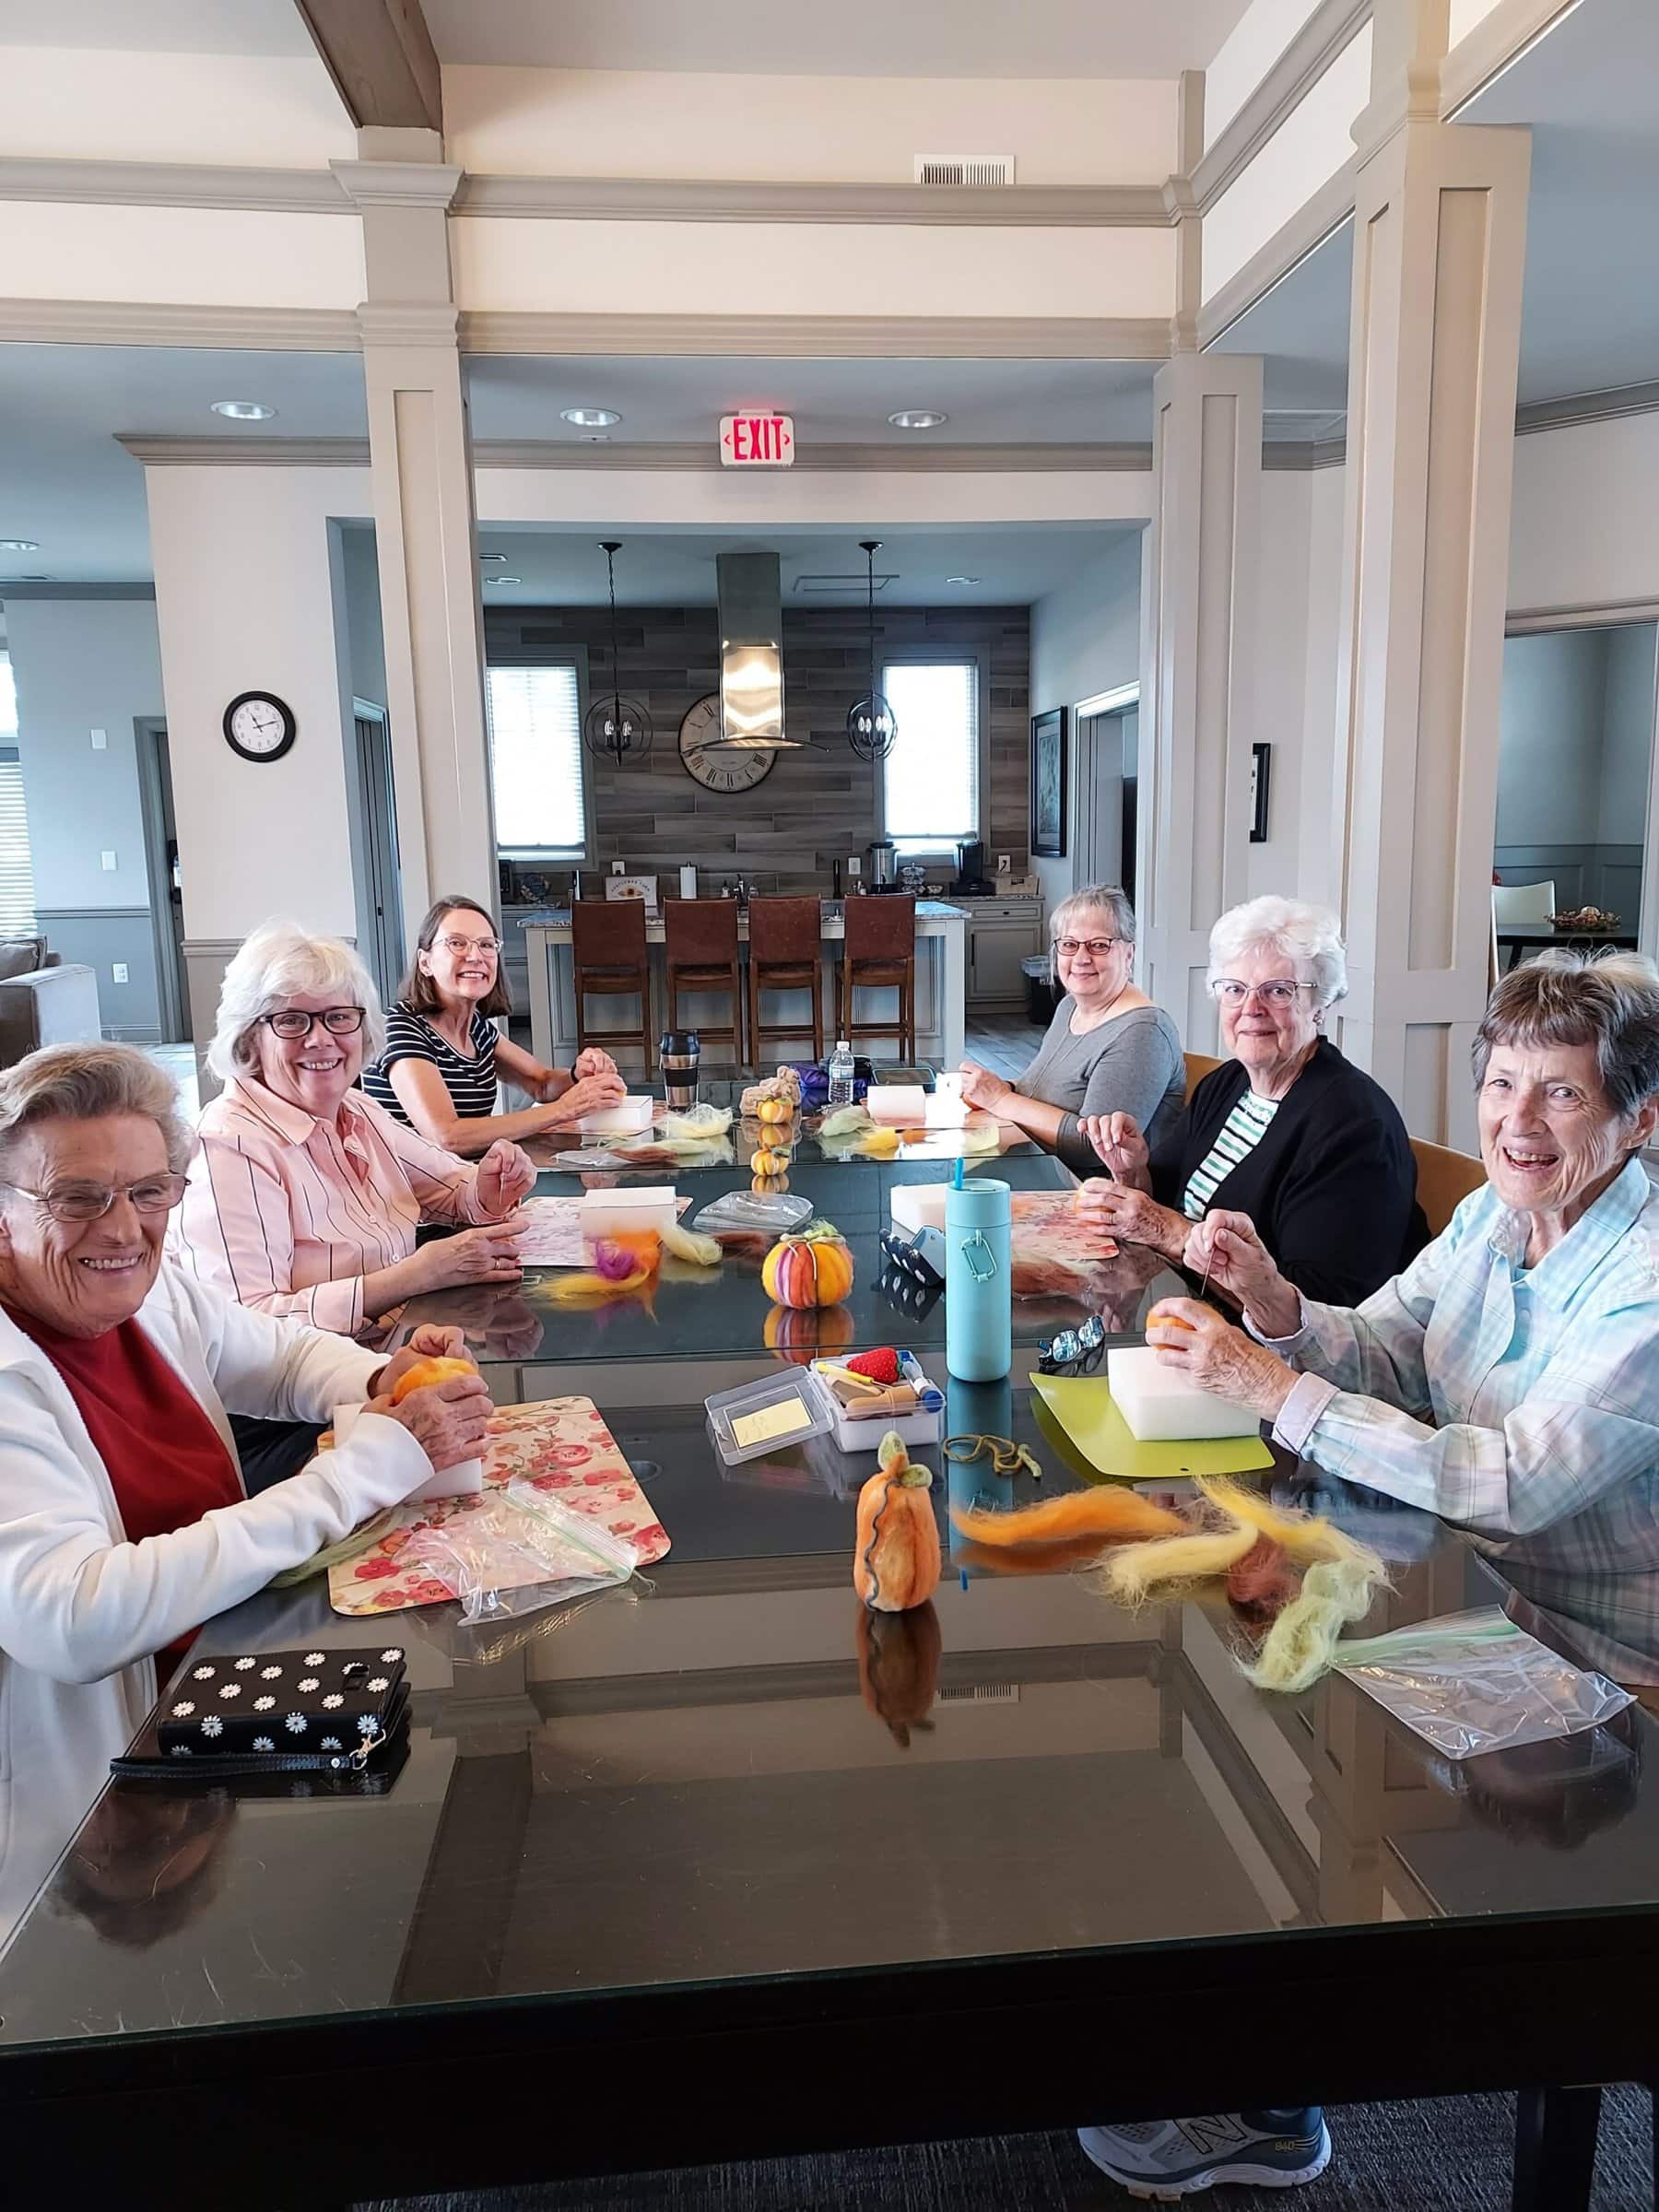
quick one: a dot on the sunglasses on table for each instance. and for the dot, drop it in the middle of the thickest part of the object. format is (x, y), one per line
(293, 1022)
(1074, 1352)
(91, 1201)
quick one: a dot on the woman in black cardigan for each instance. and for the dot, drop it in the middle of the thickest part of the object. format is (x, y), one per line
(1285, 1130)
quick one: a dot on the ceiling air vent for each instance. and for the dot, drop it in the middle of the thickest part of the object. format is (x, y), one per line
(964, 168)
(829, 581)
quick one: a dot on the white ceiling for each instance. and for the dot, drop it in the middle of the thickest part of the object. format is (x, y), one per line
(854, 38)
(268, 26)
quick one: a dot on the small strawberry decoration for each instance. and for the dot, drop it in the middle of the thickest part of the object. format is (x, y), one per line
(881, 1365)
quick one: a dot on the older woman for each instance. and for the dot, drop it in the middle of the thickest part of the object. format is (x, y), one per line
(1287, 1131)
(305, 1196)
(1109, 1049)
(1507, 1379)
(124, 1522)
(436, 1072)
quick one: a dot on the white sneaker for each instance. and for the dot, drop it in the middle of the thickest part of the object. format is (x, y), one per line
(1163, 2160)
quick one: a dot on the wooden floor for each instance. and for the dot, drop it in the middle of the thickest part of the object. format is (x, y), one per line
(1006, 1044)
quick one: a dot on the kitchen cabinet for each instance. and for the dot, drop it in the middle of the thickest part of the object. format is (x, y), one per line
(1001, 933)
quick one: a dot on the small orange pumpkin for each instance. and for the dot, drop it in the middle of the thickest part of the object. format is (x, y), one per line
(813, 1269)
(895, 1558)
(425, 1373)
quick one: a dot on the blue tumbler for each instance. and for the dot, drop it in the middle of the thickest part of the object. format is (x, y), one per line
(979, 1277)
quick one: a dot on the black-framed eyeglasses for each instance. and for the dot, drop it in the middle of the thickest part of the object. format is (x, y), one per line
(1074, 1352)
(1097, 947)
(91, 1201)
(292, 1022)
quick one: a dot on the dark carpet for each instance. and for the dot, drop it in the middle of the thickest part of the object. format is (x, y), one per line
(1452, 2154)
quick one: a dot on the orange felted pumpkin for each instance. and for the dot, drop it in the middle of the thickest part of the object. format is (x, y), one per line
(426, 1372)
(896, 1559)
(813, 1269)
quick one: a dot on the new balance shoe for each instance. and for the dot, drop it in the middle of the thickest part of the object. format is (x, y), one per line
(1163, 2160)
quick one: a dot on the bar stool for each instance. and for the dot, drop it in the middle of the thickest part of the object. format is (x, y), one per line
(701, 954)
(880, 954)
(784, 940)
(609, 960)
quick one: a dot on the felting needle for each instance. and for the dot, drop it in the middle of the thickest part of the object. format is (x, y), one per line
(1209, 1264)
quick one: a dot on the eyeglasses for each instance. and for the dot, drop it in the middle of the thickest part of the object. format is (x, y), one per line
(461, 946)
(1280, 993)
(1074, 1352)
(91, 1201)
(292, 1022)
(1097, 947)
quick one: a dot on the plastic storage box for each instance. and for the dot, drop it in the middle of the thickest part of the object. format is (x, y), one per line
(779, 1410)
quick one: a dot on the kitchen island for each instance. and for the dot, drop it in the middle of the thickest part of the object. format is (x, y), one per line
(941, 988)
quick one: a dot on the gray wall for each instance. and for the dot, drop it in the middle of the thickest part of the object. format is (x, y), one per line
(1085, 638)
(1629, 737)
(83, 665)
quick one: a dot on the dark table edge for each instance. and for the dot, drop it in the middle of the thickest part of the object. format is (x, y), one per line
(496, 2092)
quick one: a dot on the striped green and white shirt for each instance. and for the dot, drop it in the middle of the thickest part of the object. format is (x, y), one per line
(1238, 1137)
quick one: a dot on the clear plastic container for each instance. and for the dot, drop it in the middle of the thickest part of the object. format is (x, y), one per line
(769, 1416)
(755, 1210)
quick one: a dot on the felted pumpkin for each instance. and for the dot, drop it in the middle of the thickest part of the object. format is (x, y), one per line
(426, 1372)
(899, 1667)
(767, 1163)
(774, 1110)
(896, 1556)
(801, 1338)
(808, 1271)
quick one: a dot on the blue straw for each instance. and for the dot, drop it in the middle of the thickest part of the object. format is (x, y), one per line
(955, 1177)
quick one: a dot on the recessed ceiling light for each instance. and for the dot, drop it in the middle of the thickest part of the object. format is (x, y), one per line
(590, 419)
(503, 580)
(244, 410)
(19, 545)
(964, 579)
(917, 419)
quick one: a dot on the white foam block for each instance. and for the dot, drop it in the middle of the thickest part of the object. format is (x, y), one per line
(627, 1117)
(464, 1479)
(1162, 1407)
(898, 1105)
(918, 1206)
(628, 1210)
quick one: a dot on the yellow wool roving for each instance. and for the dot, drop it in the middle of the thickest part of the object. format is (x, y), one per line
(1133, 1574)
(1302, 1642)
(688, 1244)
(1304, 1536)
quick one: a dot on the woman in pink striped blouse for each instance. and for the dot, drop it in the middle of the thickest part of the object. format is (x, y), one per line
(305, 1196)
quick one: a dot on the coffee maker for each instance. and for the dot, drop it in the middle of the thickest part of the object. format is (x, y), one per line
(970, 880)
(883, 866)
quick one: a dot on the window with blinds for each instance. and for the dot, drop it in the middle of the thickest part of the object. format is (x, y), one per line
(931, 779)
(536, 762)
(17, 874)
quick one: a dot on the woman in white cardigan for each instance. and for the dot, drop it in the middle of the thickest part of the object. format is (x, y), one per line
(123, 1521)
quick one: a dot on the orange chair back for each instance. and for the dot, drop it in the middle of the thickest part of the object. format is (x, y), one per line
(1443, 1178)
(1198, 1065)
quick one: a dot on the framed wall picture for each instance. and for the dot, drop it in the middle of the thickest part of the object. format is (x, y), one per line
(1261, 778)
(1048, 784)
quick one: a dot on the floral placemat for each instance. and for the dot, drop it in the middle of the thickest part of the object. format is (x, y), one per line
(561, 1446)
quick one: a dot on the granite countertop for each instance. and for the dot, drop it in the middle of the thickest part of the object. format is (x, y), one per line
(559, 917)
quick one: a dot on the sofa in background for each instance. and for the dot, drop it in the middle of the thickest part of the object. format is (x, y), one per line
(41, 1000)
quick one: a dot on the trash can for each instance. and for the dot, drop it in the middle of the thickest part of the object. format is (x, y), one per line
(1042, 997)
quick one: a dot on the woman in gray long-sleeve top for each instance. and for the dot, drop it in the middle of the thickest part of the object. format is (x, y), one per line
(1109, 1049)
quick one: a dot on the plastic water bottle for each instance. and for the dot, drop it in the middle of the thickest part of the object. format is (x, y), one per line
(840, 1075)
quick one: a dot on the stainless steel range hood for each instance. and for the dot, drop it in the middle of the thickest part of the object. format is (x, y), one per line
(752, 654)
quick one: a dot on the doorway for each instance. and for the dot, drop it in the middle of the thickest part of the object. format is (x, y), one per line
(165, 876)
(1105, 756)
(380, 910)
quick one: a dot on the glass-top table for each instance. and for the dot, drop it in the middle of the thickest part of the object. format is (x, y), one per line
(721, 1864)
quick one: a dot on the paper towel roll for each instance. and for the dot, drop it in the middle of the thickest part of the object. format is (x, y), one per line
(688, 883)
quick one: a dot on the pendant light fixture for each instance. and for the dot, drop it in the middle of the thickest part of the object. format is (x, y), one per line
(619, 729)
(871, 726)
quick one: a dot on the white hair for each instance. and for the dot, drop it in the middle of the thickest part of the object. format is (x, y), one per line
(86, 1083)
(281, 960)
(1311, 935)
(1089, 898)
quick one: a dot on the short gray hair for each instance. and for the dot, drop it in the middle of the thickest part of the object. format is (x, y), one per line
(83, 1083)
(1090, 899)
(1311, 935)
(1609, 1000)
(280, 960)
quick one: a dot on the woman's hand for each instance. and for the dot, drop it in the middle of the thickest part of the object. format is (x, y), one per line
(591, 1061)
(983, 1089)
(1226, 1247)
(586, 1095)
(505, 1175)
(428, 1342)
(1194, 1340)
(1120, 1147)
(1134, 1216)
(486, 1254)
(448, 1420)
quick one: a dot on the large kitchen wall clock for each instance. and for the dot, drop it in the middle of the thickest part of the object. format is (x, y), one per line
(724, 770)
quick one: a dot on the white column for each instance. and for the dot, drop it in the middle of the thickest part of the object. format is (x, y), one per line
(420, 456)
(1198, 628)
(1439, 234)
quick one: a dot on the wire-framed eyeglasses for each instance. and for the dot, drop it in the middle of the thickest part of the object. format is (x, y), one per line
(458, 948)
(1074, 1352)
(91, 1201)
(1280, 993)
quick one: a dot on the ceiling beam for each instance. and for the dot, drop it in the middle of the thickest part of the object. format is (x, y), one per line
(382, 59)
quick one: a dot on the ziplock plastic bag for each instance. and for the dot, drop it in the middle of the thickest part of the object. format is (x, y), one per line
(754, 1210)
(518, 1552)
(1474, 1682)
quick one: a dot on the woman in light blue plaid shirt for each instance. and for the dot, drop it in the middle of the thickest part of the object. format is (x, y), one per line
(1509, 1379)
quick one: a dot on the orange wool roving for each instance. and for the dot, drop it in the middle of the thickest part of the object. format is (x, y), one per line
(1097, 1512)
(426, 1372)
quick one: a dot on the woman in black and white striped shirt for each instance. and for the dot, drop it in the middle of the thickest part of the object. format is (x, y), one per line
(444, 1056)
(1285, 1130)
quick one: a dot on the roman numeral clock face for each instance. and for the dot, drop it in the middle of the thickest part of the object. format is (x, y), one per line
(720, 770)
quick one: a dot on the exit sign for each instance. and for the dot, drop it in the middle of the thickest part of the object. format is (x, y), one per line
(756, 441)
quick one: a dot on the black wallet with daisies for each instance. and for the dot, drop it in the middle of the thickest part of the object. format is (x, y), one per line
(279, 1713)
